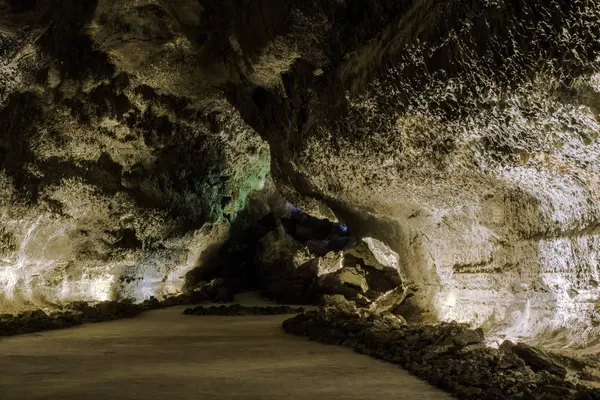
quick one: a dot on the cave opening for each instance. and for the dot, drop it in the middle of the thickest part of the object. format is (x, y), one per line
(292, 257)
(274, 253)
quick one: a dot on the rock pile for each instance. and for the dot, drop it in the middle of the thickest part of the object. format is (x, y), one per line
(292, 269)
(73, 314)
(237, 309)
(449, 355)
(80, 312)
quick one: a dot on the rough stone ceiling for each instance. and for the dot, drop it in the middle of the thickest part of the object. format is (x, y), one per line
(464, 134)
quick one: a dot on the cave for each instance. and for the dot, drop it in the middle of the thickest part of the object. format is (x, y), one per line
(183, 182)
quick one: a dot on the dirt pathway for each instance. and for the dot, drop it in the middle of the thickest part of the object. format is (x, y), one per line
(166, 355)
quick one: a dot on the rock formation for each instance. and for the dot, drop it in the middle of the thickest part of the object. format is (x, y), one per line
(117, 173)
(449, 355)
(461, 137)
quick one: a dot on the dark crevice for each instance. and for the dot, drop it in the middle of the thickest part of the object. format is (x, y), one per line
(67, 23)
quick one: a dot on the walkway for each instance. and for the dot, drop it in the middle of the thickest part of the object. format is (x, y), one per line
(165, 355)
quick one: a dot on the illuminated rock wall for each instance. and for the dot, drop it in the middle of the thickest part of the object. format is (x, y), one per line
(464, 135)
(113, 179)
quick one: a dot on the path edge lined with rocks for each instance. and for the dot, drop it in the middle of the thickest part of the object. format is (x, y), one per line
(450, 356)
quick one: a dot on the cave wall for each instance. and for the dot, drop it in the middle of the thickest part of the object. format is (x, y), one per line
(463, 134)
(120, 160)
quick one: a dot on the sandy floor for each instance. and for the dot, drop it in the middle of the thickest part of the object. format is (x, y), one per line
(166, 355)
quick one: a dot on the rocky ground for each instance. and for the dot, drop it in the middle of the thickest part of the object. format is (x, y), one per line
(451, 356)
(71, 315)
(238, 309)
(448, 355)
(78, 313)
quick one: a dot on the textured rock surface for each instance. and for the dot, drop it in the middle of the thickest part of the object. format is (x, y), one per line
(449, 355)
(364, 270)
(239, 310)
(462, 134)
(120, 162)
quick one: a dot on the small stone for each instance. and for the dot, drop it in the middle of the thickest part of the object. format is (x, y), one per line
(449, 355)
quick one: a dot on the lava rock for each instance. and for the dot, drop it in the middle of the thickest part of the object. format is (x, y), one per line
(588, 394)
(538, 360)
(448, 355)
(77, 313)
(239, 310)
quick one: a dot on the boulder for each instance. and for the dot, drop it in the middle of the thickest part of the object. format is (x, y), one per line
(340, 303)
(285, 268)
(388, 300)
(355, 277)
(538, 360)
(330, 263)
